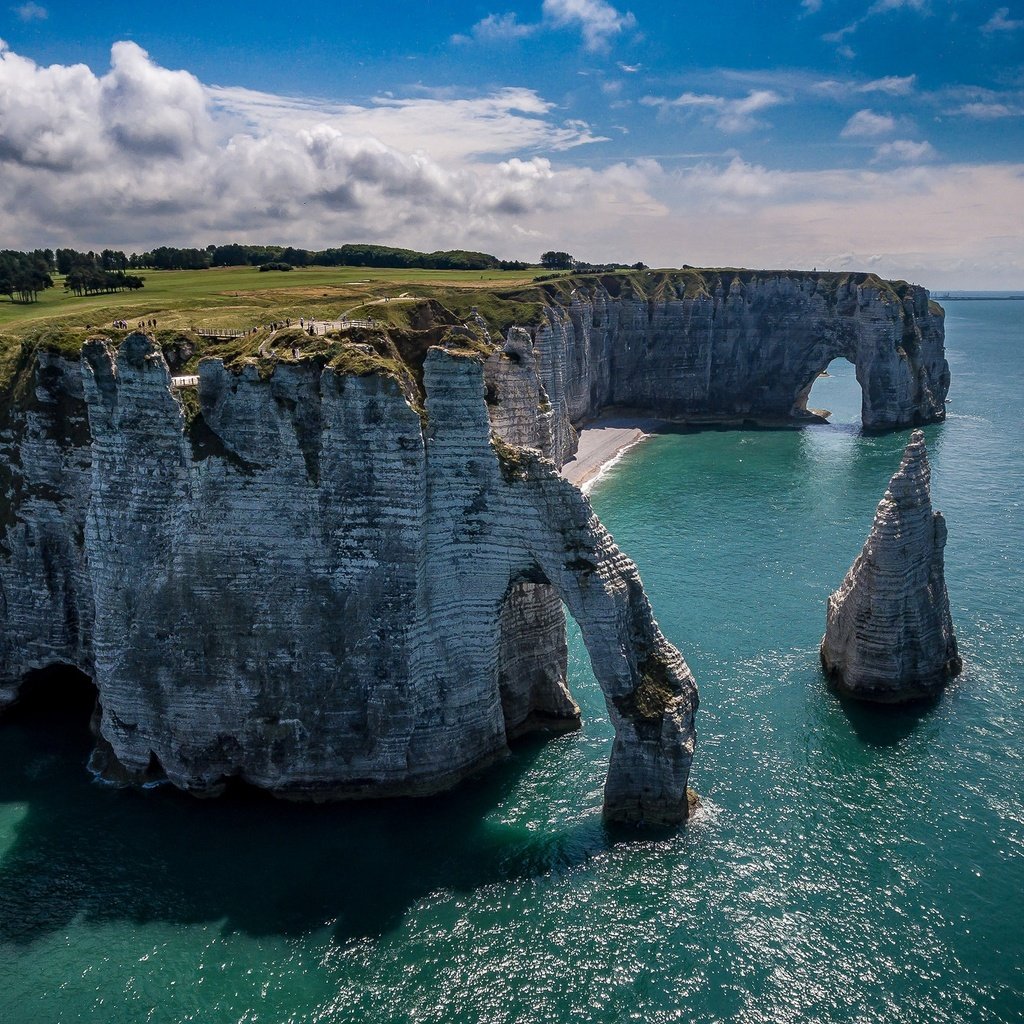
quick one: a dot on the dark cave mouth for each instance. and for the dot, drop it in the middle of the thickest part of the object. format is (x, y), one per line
(60, 692)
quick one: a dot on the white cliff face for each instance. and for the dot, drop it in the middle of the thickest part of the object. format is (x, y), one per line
(311, 587)
(314, 584)
(889, 634)
(45, 476)
(741, 347)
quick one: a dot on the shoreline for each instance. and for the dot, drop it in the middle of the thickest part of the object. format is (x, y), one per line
(602, 443)
(604, 440)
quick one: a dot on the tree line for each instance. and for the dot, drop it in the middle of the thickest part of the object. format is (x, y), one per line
(23, 275)
(236, 254)
(556, 260)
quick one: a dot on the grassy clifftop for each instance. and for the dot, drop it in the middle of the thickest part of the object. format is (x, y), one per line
(411, 308)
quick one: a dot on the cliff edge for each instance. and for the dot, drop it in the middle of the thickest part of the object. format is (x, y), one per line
(337, 566)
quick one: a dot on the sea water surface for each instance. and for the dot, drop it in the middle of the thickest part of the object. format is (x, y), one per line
(848, 864)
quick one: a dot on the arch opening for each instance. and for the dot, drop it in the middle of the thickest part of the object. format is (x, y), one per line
(833, 394)
(532, 662)
(58, 693)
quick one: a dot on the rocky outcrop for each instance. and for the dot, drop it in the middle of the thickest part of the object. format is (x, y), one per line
(310, 584)
(338, 580)
(889, 634)
(46, 611)
(739, 347)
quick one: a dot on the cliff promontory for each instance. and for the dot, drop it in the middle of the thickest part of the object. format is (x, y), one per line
(889, 634)
(337, 566)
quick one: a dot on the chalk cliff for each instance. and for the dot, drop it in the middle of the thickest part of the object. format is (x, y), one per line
(889, 634)
(343, 575)
(739, 347)
(317, 587)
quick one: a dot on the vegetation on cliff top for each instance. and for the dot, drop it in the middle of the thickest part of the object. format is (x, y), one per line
(412, 308)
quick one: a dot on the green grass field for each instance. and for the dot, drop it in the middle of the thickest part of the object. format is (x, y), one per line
(242, 297)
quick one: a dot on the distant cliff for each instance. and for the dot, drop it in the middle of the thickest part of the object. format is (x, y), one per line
(342, 574)
(740, 346)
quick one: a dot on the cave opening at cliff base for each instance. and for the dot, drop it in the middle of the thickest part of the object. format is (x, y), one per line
(59, 693)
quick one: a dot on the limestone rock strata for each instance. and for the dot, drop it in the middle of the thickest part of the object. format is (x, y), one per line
(312, 585)
(46, 611)
(889, 634)
(328, 585)
(735, 347)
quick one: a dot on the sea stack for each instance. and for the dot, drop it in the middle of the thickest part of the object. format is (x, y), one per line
(889, 634)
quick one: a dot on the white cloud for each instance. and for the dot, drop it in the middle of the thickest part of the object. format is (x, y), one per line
(630, 69)
(904, 150)
(448, 127)
(143, 155)
(904, 222)
(31, 12)
(988, 111)
(866, 124)
(728, 115)
(1001, 22)
(892, 85)
(77, 168)
(497, 28)
(840, 34)
(878, 7)
(881, 6)
(811, 6)
(597, 20)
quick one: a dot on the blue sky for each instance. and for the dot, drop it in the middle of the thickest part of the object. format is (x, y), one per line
(884, 134)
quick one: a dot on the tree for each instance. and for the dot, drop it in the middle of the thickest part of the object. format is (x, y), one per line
(24, 274)
(30, 281)
(556, 260)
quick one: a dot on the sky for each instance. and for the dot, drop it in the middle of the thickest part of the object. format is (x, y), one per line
(881, 135)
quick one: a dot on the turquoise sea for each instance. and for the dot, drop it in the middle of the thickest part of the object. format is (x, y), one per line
(847, 865)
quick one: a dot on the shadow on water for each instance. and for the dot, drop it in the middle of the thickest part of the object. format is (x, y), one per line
(255, 864)
(886, 725)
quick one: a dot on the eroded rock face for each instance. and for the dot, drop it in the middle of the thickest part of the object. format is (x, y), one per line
(313, 587)
(889, 634)
(746, 349)
(319, 587)
(46, 611)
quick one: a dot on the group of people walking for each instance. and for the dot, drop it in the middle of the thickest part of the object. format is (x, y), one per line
(122, 325)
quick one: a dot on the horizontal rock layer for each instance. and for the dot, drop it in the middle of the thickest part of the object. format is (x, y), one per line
(317, 588)
(889, 634)
(328, 586)
(743, 347)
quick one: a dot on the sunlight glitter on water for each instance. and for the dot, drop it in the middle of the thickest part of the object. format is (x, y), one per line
(847, 865)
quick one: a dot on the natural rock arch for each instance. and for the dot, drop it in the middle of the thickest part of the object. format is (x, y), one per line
(803, 394)
(542, 531)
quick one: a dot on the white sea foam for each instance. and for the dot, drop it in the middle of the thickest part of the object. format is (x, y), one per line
(586, 486)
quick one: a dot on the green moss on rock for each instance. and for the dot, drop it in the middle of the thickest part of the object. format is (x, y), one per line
(514, 461)
(654, 693)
